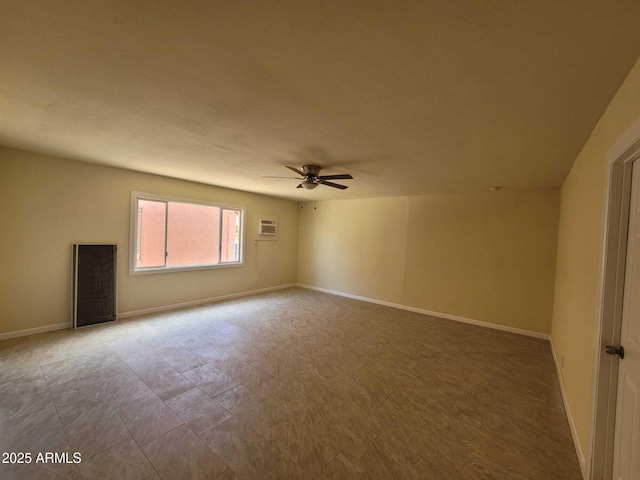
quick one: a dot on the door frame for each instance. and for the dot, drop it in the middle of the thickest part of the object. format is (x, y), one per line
(620, 158)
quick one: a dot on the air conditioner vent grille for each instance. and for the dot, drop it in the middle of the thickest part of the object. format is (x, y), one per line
(268, 227)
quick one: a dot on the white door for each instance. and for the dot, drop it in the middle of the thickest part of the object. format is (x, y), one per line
(626, 456)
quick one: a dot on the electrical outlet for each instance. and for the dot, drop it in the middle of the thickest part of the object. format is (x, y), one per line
(253, 282)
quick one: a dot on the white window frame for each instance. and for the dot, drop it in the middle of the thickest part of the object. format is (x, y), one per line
(133, 234)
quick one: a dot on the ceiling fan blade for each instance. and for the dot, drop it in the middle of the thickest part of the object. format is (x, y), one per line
(297, 170)
(331, 184)
(299, 186)
(269, 176)
(342, 176)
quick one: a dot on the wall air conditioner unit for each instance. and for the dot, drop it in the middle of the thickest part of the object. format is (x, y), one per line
(268, 227)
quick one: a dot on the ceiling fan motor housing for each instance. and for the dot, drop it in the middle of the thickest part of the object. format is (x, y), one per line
(311, 173)
(312, 170)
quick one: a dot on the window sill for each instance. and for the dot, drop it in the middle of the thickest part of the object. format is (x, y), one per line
(151, 271)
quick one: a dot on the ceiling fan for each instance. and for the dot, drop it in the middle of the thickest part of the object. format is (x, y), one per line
(311, 179)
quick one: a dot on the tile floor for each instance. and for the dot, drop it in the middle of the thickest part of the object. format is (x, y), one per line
(293, 384)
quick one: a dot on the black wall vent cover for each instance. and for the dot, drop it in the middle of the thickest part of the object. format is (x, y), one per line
(94, 284)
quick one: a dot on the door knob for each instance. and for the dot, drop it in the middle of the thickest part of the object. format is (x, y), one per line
(611, 350)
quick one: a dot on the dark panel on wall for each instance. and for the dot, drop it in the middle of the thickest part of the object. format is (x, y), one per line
(95, 294)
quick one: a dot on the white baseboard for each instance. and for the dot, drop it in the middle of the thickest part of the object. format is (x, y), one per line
(34, 331)
(175, 306)
(447, 316)
(134, 313)
(584, 468)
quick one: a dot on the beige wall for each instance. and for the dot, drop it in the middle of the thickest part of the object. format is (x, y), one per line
(578, 271)
(355, 246)
(47, 203)
(488, 257)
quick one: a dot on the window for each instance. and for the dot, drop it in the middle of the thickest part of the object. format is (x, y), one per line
(171, 234)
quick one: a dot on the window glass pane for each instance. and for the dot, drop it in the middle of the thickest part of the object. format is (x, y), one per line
(192, 235)
(150, 233)
(230, 235)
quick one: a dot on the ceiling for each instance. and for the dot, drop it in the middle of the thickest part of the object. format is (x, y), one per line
(410, 98)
